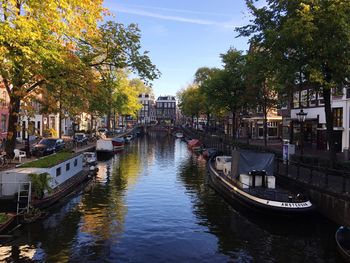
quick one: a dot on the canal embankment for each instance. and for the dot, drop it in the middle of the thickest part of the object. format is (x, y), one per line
(329, 189)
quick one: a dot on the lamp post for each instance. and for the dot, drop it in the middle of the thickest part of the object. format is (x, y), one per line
(301, 118)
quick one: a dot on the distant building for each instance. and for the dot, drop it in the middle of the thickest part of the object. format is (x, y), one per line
(166, 109)
(144, 115)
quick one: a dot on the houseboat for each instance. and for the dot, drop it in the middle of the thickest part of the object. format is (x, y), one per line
(42, 182)
(247, 177)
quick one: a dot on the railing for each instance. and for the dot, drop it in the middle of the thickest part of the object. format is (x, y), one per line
(318, 178)
(322, 179)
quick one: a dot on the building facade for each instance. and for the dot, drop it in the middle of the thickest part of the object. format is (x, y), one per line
(144, 115)
(313, 131)
(166, 110)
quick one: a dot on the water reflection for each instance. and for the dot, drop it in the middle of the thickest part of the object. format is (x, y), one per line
(247, 236)
(152, 203)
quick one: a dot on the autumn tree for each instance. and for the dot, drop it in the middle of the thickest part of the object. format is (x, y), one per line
(33, 37)
(116, 48)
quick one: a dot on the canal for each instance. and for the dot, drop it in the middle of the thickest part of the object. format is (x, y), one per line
(151, 203)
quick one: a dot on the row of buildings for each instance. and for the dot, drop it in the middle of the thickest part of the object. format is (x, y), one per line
(163, 110)
(282, 123)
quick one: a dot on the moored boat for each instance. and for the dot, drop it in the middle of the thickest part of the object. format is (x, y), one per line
(179, 135)
(42, 182)
(248, 177)
(194, 145)
(90, 158)
(342, 238)
(104, 148)
(118, 143)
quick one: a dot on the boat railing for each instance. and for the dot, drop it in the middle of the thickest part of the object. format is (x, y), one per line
(270, 193)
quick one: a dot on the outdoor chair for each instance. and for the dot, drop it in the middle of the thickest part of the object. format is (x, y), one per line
(19, 155)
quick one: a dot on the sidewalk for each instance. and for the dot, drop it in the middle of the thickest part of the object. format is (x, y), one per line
(277, 145)
(13, 163)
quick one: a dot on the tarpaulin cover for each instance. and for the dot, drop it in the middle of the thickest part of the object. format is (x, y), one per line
(194, 143)
(244, 162)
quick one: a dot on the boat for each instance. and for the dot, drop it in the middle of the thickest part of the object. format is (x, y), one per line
(194, 145)
(128, 138)
(179, 135)
(209, 153)
(342, 238)
(105, 147)
(118, 143)
(247, 177)
(62, 178)
(90, 158)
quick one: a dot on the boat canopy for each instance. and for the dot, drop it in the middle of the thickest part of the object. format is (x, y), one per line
(244, 162)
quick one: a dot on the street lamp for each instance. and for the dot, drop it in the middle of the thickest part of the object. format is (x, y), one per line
(301, 118)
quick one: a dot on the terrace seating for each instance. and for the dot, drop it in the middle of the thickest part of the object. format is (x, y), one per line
(19, 155)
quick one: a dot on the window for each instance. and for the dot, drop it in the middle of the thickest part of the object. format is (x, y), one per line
(303, 98)
(348, 93)
(67, 166)
(75, 162)
(313, 101)
(58, 171)
(296, 100)
(320, 99)
(338, 117)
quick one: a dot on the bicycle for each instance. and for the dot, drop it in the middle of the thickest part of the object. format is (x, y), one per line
(3, 160)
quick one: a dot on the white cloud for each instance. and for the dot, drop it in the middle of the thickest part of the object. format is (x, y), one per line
(180, 10)
(120, 9)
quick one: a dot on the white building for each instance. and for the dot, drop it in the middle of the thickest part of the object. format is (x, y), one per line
(315, 124)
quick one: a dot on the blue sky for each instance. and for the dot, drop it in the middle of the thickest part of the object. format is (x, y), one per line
(183, 35)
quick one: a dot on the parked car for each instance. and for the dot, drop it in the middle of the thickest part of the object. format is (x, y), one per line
(48, 146)
(80, 138)
(102, 130)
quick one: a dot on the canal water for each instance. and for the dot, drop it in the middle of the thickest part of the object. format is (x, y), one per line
(152, 203)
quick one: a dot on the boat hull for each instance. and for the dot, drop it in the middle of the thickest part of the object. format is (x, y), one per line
(62, 192)
(233, 194)
(342, 238)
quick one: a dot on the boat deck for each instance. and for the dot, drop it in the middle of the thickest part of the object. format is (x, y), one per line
(277, 193)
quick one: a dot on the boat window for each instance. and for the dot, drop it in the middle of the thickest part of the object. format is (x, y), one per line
(67, 166)
(75, 162)
(58, 171)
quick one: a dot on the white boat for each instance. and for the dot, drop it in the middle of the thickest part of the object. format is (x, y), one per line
(179, 135)
(90, 158)
(104, 148)
(62, 178)
(247, 177)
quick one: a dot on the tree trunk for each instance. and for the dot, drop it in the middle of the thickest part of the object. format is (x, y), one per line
(60, 124)
(234, 125)
(109, 120)
(92, 123)
(329, 124)
(265, 126)
(12, 126)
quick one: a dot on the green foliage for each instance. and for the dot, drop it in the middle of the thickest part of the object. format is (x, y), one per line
(3, 218)
(40, 184)
(50, 160)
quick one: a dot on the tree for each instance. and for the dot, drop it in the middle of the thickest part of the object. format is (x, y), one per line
(191, 101)
(33, 35)
(225, 87)
(261, 84)
(204, 74)
(309, 39)
(116, 48)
